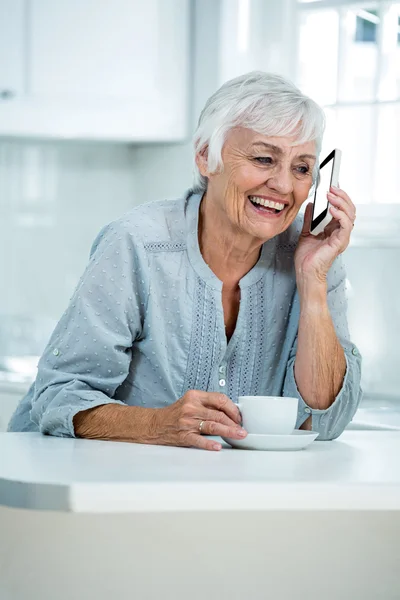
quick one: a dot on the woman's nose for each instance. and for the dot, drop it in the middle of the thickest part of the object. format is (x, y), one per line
(281, 182)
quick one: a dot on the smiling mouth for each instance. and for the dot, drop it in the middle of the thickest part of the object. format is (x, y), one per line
(267, 207)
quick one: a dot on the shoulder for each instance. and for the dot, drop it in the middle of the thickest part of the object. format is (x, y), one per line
(158, 222)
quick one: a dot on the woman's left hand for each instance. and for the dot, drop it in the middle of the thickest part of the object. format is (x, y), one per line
(315, 254)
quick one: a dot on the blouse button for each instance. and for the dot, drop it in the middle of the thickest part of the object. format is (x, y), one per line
(222, 382)
(56, 352)
(307, 410)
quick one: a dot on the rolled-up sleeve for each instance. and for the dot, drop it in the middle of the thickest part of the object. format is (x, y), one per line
(89, 353)
(331, 422)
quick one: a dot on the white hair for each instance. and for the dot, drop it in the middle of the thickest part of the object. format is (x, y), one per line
(266, 103)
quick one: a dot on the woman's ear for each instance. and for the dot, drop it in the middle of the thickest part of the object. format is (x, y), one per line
(202, 161)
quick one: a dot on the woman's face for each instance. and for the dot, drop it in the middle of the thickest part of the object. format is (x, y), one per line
(264, 182)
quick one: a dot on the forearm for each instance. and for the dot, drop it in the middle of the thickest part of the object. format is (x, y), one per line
(320, 363)
(116, 422)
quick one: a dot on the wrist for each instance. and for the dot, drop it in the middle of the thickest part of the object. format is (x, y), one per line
(313, 294)
(143, 424)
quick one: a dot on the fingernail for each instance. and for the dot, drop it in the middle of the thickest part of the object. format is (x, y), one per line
(217, 447)
(242, 433)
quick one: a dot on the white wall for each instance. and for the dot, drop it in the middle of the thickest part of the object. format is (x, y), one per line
(374, 315)
(55, 196)
(257, 35)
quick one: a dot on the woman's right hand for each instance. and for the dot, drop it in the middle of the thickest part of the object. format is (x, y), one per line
(179, 423)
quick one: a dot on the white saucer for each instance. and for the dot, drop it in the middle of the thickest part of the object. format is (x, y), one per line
(298, 440)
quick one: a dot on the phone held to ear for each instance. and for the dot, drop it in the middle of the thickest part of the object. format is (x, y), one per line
(328, 175)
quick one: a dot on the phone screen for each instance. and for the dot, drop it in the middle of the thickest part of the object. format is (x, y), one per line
(324, 183)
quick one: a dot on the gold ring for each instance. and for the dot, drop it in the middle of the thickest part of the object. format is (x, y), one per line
(201, 426)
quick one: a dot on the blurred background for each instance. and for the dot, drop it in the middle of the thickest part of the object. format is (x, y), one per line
(98, 101)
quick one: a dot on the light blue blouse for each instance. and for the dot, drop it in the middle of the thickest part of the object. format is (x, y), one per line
(146, 324)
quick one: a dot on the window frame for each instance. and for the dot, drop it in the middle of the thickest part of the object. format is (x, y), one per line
(378, 225)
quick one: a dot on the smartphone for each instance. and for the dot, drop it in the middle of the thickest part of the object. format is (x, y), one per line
(328, 175)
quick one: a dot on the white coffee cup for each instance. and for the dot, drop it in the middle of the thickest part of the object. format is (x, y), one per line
(268, 414)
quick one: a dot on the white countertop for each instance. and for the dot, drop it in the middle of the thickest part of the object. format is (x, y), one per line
(359, 471)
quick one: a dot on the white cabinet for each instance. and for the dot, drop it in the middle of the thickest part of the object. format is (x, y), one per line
(115, 70)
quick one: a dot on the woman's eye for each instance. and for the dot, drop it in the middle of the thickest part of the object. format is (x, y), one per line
(303, 170)
(264, 160)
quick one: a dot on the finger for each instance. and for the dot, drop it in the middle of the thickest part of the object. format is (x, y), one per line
(224, 404)
(339, 192)
(331, 227)
(342, 205)
(345, 197)
(213, 428)
(345, 222)
(207, 414)
(199, 441)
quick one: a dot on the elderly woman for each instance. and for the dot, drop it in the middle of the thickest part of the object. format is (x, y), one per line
(187, 304)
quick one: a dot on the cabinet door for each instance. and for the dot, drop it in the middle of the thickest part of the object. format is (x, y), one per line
(91, 51)
(104, 70)
(11, 49)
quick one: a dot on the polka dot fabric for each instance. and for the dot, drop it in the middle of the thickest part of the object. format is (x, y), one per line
(146, 324)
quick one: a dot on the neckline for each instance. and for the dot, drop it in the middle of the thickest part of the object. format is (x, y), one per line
(193, 201)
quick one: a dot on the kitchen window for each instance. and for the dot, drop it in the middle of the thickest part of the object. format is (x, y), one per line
(349, 62)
